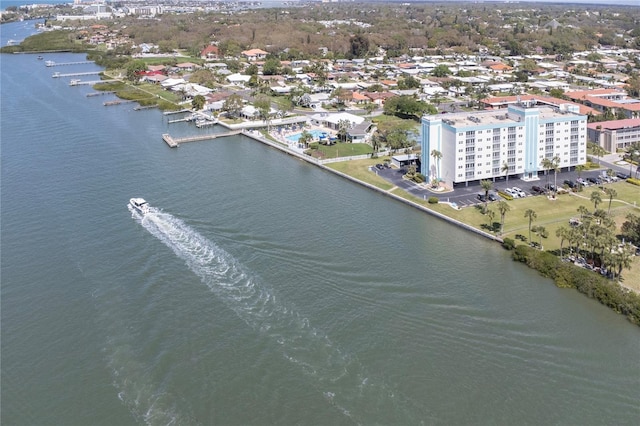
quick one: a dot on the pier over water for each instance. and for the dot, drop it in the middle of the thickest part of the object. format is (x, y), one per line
(61, 64)
(175, 142)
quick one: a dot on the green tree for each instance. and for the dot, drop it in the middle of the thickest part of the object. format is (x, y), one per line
(198, 102)
(408, 82)
(441, 71)
(233, 105)
(583, 211)
(406, 106)
(505, 169)
(579, 170)
(359, 46)
(611, 193)
(596, 199)
(305, 138)
(555, 162)
(490, 215)
(503, 208)
(134, 68)
(343, 129)
(631, 228)
(271, 66)
(531, 215)
(563, 234)
(486, 185)
(437, 155)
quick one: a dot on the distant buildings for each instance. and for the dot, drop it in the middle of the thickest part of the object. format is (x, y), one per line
(477, 145)
(616, 134)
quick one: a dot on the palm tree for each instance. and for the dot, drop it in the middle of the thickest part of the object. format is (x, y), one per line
(529, 213)
(503, 208)
(596, 199)
(611, 193)
(579, 170)
(547, 165)
(505, 170)
(555, 161)
(491, 215)
(541, 231)
(563, 234)
(583, 211)
(598, 151)
(437, 155)
(486, 185)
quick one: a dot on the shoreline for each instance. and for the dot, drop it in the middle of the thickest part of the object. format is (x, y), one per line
(410, 203)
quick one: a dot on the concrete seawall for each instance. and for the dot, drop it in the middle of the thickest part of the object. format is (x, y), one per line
(316, 162)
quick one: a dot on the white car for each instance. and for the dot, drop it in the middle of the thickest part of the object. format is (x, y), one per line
(511, 192)
(520, 193)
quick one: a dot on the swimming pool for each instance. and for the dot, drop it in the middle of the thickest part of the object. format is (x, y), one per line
(315, 133)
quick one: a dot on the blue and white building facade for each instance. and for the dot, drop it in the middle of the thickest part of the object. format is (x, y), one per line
(477, 145)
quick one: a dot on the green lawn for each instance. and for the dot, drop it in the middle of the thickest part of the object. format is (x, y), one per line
(339, 150)
(359, 169)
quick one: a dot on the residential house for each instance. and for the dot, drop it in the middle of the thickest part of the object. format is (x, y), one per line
(210, 52)
(254, 54)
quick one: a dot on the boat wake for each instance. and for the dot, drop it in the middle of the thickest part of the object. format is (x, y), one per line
(340, 377)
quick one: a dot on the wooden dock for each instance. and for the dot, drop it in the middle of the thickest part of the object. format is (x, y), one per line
(61, 64)
(75, 74)
(175, 142)
(182, 111)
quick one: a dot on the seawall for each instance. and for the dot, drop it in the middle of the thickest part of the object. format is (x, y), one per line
(258, 137)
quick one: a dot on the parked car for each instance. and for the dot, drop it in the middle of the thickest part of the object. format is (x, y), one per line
(537, 190)
(623, 176)
(571, 184)
(481, 197)
(550, 187)
(493, 196)
(593, 180)
(519, 191)
(582, 181)
(510, 192)
(379, 166)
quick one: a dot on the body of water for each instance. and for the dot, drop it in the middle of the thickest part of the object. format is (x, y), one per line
(262, 290)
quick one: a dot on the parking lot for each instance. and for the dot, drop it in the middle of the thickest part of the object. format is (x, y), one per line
(471, 194)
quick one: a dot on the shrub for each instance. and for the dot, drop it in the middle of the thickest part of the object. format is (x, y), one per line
(433, 200)
(593, 285)
(509, 243)
(634, 181)
(505, 195)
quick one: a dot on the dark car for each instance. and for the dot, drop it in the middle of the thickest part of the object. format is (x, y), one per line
(379, 166)
(481, 197)
(537, 190)
(593, 180)
(571, 184)
(493, 197)
(622, 176)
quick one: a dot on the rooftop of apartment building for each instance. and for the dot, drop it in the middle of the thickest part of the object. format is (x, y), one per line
(488, 118)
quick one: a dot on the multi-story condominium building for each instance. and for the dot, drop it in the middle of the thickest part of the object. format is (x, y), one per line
(616, 134)
(478, 145)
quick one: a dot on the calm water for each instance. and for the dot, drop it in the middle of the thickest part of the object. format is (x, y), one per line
(262, 290)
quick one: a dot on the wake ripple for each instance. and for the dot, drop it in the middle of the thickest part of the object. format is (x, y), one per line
(341, 378)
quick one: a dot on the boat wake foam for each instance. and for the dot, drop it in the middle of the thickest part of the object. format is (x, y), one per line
(341, 378)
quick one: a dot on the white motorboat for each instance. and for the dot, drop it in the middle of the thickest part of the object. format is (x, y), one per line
(140, 205)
